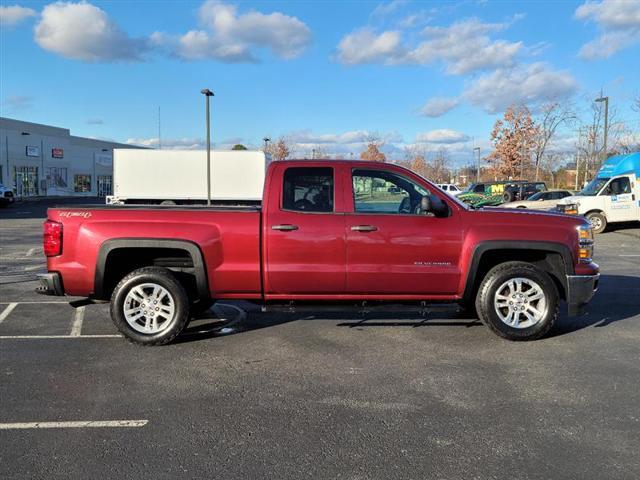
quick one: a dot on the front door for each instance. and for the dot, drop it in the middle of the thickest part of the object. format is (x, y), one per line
(620, 201)
(393, 248)
(305, 246)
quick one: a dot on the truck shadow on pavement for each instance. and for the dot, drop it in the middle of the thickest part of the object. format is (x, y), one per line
(618, 299)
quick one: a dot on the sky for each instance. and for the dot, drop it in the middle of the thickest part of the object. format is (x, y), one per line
(328, 75)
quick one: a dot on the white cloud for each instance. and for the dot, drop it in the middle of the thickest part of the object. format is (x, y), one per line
(169, 144)
(619, 25)
(463, 47)
(528, 84)
(438, 106)
(364, 46)
(17, 103)
(228, 36)
(14, 14)
(386, 8)
(82, 31)
(443, 135)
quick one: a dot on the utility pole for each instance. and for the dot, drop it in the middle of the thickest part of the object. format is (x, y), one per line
(208, 93)
(477, 149)
(606, 122)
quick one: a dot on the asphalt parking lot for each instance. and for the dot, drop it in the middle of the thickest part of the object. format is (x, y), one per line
(249, 395)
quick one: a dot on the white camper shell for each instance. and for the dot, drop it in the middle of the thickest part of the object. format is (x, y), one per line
(180, 176)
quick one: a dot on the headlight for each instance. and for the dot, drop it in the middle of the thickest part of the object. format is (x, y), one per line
(571, 209)
(585, 243)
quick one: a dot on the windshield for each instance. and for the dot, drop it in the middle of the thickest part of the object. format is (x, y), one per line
(536, 196)
(593, 187)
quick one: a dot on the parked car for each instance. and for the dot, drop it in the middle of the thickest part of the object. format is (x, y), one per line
(6, 196)
(314, 240)
(612, 196)
(542, 200)
(450, 188)
(497, 193)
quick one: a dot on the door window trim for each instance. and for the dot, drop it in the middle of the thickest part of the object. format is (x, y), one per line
(282, 209)
(353, 196)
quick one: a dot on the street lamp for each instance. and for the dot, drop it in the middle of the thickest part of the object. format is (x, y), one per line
(208, 93)
(266, 141)
(477, 149)
(606, 121)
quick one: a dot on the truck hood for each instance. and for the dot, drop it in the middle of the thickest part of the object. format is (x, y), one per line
(542, 218)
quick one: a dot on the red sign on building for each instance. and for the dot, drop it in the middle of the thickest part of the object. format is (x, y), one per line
(57, 153)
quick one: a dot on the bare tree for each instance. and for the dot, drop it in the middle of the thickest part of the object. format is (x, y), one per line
(551, 117)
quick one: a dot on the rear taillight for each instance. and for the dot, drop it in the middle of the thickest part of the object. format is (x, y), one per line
(52, 238)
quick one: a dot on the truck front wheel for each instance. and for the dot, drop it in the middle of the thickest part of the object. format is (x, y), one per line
(149, 306)
(598, 221)
(518, 301)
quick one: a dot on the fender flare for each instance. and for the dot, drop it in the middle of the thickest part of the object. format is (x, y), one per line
(493, 245)
(192, 248)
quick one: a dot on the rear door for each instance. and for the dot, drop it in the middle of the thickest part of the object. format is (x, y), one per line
(304, 233)
(392, 249)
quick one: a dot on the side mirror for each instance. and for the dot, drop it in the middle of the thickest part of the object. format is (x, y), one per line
(433, 204)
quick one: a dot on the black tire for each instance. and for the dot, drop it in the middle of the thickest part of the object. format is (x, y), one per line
(500, 274)
(165, 279)
(507, 196)
(598, 221)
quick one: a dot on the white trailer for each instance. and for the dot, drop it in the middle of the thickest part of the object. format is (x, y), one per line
(180, 176)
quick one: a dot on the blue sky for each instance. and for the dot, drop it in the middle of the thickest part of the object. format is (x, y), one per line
(326, 74)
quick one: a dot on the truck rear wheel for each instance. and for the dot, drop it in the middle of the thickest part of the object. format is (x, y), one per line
(149, 306)
(598, 221)
(518, 301)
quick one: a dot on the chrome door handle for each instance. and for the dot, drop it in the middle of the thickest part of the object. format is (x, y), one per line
(364, 228)
(284, 228)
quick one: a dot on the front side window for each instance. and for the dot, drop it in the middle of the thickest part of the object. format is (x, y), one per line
(378, 191)
(619, 186)
(81, 183)
(308, 189)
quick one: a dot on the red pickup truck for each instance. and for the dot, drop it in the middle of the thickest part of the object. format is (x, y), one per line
(338, 232)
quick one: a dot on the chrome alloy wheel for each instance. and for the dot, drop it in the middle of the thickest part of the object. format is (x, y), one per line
(520, 302)
(149, 308)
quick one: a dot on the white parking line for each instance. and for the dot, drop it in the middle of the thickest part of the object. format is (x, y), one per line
(81, 424)
(32, 303)
(78, 317)
(47, 337)
(5, 313)
(629, 255)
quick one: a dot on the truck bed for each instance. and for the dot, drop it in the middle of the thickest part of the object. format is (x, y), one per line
(225, 239)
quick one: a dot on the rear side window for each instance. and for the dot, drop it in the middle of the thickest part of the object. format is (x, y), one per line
(308, 189)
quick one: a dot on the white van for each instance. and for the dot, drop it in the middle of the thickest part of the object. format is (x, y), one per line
(612, 196)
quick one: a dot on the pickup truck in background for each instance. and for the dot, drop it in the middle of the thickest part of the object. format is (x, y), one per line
(326, 232)
(612, 196)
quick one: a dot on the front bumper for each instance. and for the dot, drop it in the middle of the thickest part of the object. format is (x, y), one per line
(50, 284)
(580, 290)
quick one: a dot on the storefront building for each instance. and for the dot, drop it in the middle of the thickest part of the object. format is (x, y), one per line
(42, 160)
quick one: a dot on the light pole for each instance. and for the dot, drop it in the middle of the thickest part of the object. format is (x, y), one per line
(208, 93)
(266, 141)
(606, 122)
(477, 149)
